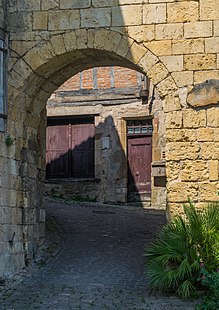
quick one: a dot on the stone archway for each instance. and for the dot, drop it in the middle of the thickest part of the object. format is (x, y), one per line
(34, 77)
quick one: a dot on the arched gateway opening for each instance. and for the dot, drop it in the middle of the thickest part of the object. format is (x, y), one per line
(41, 71)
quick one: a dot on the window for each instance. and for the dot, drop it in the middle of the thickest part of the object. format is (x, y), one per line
(139, 127)
(3, 51)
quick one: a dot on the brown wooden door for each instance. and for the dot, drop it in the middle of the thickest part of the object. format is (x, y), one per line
(70, 151)
(139, 166)
(82, 151)
(57, 151)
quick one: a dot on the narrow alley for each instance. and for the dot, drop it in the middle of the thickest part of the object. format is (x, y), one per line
(99, 264)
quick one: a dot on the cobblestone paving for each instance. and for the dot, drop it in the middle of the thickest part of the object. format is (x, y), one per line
(99, 266)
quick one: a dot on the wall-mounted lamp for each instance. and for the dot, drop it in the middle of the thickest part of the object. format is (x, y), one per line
(144, 92)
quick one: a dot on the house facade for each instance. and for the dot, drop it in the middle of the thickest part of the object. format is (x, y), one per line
(116, 150)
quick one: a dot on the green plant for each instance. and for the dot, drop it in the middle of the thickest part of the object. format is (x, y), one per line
(9, 140)
(210, 281)
(173, 260)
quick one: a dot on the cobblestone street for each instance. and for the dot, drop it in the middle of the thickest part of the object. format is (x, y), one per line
(99, 265)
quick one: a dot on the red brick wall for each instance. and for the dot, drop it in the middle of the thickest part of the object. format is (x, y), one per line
(103, 77)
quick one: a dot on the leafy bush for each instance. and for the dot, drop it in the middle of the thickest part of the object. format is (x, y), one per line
(174, 260)
(210, 281)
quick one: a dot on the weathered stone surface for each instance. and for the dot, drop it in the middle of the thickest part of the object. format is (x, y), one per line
(194, 119)
(198, 29)
(154, 13)
(63, 20)
(127, 15)
(183, 11)
(204, 94)
(96, 17)
(200, 61)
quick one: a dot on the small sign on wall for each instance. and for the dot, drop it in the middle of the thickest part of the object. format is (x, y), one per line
(105, 143)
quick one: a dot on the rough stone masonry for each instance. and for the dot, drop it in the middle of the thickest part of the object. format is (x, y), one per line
(175, 43)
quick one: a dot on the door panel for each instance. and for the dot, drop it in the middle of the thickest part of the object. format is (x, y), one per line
(83, 151)
(57, 151)
(139, 162)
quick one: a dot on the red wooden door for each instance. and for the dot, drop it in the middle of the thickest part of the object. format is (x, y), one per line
(57, 151)
(139, 165)
(70, 151)
(82, 162)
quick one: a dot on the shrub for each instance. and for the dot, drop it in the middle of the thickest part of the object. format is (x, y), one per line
(174, 260)
(210, 281)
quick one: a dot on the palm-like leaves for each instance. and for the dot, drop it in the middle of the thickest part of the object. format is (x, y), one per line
(173, 260)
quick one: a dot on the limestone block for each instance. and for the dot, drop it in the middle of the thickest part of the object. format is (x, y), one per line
(22, 21)
(216, 134)
(166, 87)
(40, 21)
(174, 119)
(96, 17)
(28, 5)
(157, 73)
(74, 4)
(171, 103)
(208, 191)
(154, 13)
(90, 38)
(204, 94)
(124, 46)
(50, 4)
(194, 119)
(194, 170)
(173, 170)
(100, 38)
(183, 11)
(216, 28)
(127, 15)
(182, 150)
(136, 52)
(180, 191)
(148, 61)
(169, 31)
(200, 61)
(173, 63)
(205, 134)
(188, 46)
(202, 76)
(141, 33)
(209, 9)
(183, 78)
(112, 41)
(121, 2)
(213, 117)
(81, 36)
(212, 45)
(63, 20)
(210, 150)
(70, 41)
(160, 48)
(58, 44)
(182, 135)
(198, 29)
(105, 3)
(213, 170)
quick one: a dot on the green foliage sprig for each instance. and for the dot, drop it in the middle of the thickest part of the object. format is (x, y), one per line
(9, 140)
(173, 261)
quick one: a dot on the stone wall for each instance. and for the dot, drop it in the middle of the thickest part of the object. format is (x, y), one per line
(174, 42)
